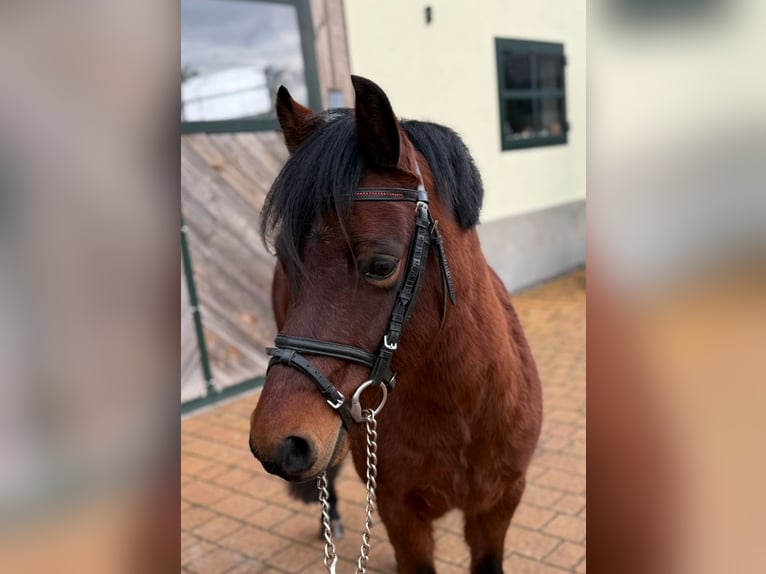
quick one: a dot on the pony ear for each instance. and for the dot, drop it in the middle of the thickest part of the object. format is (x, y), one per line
(376, 127)
(297, 122)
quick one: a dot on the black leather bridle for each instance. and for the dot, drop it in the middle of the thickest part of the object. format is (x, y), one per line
(289, 350)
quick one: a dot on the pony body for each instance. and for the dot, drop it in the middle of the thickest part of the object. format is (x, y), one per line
(461, 426)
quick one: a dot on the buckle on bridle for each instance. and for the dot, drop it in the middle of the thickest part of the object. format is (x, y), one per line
(339, 403)
(389, 346)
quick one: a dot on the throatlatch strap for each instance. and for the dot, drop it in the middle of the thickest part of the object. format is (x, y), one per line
(443, 263)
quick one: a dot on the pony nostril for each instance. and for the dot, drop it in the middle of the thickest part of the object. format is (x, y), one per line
(296, 455)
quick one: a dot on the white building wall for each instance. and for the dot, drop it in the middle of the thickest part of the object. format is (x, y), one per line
(446, 72)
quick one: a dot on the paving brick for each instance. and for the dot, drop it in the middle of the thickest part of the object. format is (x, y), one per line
(235, 456)
(529, 543)
(271, 515)
(252, 566)
(188, 539)
(195, 516)
(300, 527)
(569, 504)
(254, 542)
(202, 493)
(452, 548)
(563, 430)
(521, 565)
(233, 477)
(572, 483)
(194, 424)
(197, 549)
(575, 447)
(239, 505)
(563, 461)
(192, 445)
(567, 555)
(563, 416)
(275, 493)
(218, 561)
(452, 522)
(553, 443)
(444, 568)
(211, 471)
(217, 527)
(567, 527)
(540, 495)
(296, 558)
(192, 465)
(532, 517)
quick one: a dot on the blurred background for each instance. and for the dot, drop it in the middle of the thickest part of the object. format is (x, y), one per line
(676, 285)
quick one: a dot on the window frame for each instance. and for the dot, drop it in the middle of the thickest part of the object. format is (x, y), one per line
(311, 73)
(532, 48)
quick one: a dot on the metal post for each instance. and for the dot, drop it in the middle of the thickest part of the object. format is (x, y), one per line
(191, 286)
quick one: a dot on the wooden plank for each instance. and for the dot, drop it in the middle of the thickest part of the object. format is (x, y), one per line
(232, 267)
(224, 202)
(223, 163)
(269, 148)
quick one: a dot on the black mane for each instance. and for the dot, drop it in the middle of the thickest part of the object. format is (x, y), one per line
(327, 168)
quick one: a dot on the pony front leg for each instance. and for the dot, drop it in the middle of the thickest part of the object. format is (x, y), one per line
(411, 536)
(485, 532)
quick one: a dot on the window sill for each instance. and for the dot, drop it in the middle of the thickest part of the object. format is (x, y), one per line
(533, 142)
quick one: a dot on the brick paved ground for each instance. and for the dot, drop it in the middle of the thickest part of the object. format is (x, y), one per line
(237, 519)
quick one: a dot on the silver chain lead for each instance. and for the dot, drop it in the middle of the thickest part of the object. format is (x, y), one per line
(372, 474)
(330, 555)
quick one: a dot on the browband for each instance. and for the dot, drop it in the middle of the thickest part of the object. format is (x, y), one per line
(390, 194)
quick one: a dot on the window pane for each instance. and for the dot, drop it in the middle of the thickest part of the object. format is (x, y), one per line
(517, 71)
(549, 71)
(533, 118)
(551, 121)
(234, 55)
(519, 119)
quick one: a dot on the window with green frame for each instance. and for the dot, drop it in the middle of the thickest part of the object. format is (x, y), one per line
(234, 56)
(532, 93)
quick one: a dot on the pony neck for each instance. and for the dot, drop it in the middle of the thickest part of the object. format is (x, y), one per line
(478, 321)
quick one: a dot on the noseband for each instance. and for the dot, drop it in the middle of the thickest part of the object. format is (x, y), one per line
(289, 350)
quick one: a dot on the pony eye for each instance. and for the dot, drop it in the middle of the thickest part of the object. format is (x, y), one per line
(380, 267)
